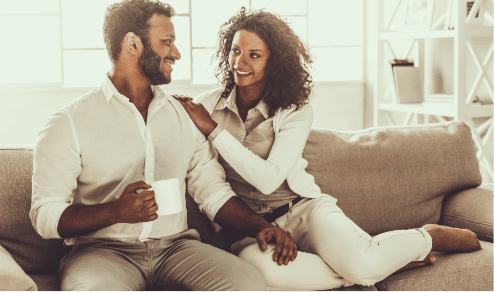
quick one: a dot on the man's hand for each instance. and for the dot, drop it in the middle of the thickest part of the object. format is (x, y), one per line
(286, 249)
(198, 114)
(133, 207)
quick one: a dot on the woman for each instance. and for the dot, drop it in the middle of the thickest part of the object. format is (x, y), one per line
(260, 120)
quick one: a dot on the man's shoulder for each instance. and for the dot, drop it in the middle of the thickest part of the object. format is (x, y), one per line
(209, 98)
(208, 95)
(92, 97)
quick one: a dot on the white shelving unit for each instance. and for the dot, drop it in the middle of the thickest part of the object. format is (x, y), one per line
(463, 38)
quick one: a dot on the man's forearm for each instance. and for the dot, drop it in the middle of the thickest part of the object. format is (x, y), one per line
(235, 213)
(79, 220)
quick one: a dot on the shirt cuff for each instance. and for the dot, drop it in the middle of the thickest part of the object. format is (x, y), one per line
(215, 132)
(48, 218)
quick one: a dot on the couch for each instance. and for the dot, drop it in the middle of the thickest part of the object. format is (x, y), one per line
(384, 178)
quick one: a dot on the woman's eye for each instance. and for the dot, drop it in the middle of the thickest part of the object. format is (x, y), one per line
(234, 50)
(254, 55)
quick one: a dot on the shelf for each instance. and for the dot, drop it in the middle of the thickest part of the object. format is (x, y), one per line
(413, 34)
(454, 65)
(480, 111)
(475, 111)
(445, 111)
(480, 31)
(474, 31)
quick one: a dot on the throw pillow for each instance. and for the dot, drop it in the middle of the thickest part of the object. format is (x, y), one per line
(12, 277)
(391, 178)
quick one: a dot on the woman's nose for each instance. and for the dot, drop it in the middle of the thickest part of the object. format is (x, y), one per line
(239, 61)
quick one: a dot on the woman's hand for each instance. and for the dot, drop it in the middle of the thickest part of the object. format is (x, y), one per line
(198, 114)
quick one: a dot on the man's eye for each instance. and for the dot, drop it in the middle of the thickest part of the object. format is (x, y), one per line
(167, 42)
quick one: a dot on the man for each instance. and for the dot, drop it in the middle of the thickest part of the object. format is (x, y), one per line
(95, 158)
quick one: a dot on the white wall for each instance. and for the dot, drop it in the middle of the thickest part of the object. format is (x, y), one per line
(370, 59)
(22, 114)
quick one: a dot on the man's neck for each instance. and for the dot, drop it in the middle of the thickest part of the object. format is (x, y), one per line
(135, 87)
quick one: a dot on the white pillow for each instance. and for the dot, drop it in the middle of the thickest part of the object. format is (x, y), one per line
(12, 277)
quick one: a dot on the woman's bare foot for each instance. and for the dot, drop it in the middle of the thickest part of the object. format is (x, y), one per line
(430, 259)
(449, 239)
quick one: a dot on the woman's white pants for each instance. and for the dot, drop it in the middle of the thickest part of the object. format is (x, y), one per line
(333, 250)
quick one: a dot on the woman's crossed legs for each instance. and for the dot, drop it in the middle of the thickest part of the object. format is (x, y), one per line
(336, 252)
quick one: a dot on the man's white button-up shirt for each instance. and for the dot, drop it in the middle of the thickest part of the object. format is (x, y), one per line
(95, 146)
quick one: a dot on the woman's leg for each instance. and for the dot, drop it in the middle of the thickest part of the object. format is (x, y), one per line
(319, 226)
(307, 272)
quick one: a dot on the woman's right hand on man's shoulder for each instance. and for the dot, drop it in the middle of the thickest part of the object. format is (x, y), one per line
(199, 115)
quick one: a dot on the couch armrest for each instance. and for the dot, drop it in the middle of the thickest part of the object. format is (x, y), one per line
(470, 209)
(12, 277)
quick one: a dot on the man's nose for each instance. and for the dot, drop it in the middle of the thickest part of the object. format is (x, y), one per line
(175, 53)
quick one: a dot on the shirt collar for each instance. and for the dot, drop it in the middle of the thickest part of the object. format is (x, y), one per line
(263, 109)
(231, 103)
(109, 91)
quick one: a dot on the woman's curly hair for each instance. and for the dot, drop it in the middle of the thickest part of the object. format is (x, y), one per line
(287, 81)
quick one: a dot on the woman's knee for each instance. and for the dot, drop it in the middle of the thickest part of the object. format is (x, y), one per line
(248, 278)
(262, 261)
(365, 272)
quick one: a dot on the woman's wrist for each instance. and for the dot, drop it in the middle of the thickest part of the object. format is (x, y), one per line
(212, 135)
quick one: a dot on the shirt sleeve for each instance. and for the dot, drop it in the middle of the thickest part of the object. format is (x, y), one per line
(57, 165)
(215, 132)
(267, 175)
(206, 178)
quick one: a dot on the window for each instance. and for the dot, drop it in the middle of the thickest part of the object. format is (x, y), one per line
(60, 42)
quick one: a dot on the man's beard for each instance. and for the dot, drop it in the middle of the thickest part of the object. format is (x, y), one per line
(150, 66)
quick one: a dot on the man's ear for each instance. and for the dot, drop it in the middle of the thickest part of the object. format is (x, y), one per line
(132, 43)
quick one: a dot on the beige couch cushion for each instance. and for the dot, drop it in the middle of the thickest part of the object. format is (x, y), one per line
(17, 235)
(470, 209)
(392, 178)
(451, 272)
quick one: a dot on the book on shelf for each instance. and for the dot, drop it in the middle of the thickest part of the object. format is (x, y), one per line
(407, 82)
(392, 86)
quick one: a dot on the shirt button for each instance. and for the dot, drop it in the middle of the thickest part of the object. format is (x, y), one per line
(240, 137)
(248, 123)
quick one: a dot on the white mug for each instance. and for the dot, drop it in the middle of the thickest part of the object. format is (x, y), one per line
(168, 196)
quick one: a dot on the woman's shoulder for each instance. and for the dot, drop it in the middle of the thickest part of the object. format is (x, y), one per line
(304, 110)
(293, 117)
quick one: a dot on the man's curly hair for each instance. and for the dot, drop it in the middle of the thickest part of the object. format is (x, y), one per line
(130, 16)
(287, 81)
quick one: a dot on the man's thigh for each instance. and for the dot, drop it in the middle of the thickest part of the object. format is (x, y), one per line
(193, 265)
(103, 267)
